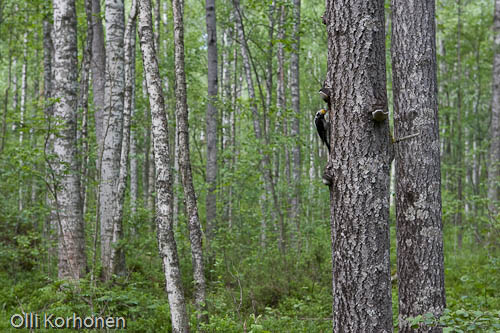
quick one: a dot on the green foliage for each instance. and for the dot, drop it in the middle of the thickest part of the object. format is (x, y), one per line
(460, 321)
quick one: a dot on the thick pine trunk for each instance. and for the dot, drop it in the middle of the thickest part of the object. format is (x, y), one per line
(358, 167)
(493, 171)
(195, 234)
(166, 241)
(66, 190)
(211, 117)
(418, 173)
(113, 122)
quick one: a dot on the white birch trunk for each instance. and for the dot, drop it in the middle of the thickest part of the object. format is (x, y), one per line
(211, 117)
(494, 163)
(195, 233)
(118, 257)
(166, 241)
(66, 191)
(113, 122)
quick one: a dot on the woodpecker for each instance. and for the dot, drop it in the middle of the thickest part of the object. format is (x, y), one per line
(322, 127)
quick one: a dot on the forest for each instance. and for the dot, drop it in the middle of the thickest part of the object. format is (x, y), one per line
(250, 166)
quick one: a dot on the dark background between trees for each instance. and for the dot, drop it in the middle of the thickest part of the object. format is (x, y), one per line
(222, 123)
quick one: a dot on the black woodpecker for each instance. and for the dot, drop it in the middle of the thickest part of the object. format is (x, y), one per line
(322, 127)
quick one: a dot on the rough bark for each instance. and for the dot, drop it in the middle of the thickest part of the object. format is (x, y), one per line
(113, 121)
(295, 128)
(195, 233)
(493, 167)
(118, 256)
(166, 242)
(211, 117)
(98, 67)
(66, 191)
(134, 176)
(418, 173)
(358, 167)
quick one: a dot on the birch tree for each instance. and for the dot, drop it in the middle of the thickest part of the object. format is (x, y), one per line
(418, 170)
(295, 128)
(166, 241)
(129, 57)
(195, 234)
(112, 128)
(66, 190)
(493, 171)
(358, 166)
(211, 116)
(98, 68)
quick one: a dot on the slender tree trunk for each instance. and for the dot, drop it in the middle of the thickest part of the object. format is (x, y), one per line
(211, 117)
(418, 172)
(98, 67)
(84, 103)
(166, 241)
(148, 146)
(358, 166)
(134, 179)
(48, 56)
(493, 167)
(22, 112)
(194, 225)
(227, 111)
(280, 124)
(118, 256)
(134, 175)
(6, 102)
(459, 154)
(113, 122)
(295, 129)
(66, 191)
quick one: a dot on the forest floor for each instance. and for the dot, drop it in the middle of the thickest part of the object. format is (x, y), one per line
(255, 292)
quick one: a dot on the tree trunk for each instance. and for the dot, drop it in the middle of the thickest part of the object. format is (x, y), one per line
(418, 172)
(48, 57)
(83, 102)
(195, 234)
(493, 170)
(211, 117)
(281, 103)
(166, 242)
(295, 129)
(22, 112)
(358, 167)
(98, 67)
(118, 256)
(459, 154)
(66, 191)
(6, 99)
(113, 122)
